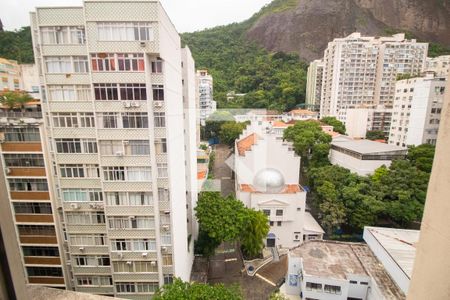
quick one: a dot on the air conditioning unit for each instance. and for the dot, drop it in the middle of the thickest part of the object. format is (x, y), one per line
(127, 104)
(166, 227)
(158, 104)
(143, 44)
(119, 153)
(8, 171)
(144, 254)
(74, 206)
(129, 263)
(81, 249)
(92, 205)
(135, 104)
(167, 212)
(164, 249)
(153, 263)
(120, 255)
(132, 217)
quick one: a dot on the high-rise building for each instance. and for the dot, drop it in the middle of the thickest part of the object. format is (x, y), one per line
(417, 111)
(362, 71)
(29, 200)
(205, 94)
(114, 105)
(10, 75)
(314, 84)
(439, 65)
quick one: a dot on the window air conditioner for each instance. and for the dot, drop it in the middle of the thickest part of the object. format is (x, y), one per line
(74, 206)
(153, 263)
(8, 171)
(127, 104)
(143, 44)
(144, 254)
(164, 249)
(81, 249)
(129, 263)
(119, 154)
(135, 104)
(158, 104)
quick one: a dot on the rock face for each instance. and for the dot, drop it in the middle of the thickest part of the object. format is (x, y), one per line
(309, 27)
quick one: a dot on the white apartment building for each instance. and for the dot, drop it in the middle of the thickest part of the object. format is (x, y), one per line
(205, 94)
(439, 65)
(112, 81)
(267, 179)
(417, 111)
(329, 270)
(314, 84)
(361, 71)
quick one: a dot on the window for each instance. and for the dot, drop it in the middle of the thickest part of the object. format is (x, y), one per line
(167, 259)
(106, 91)
(92, 261)
(162, 170)
(131, 62)
(157, 66)
(310, 286)
(69, 92)
(76, 146)
(126, 31)
(279, 212)
(160, 146)
(297, 236)
(160, 119)
(140, 199)
(133, 91)
(111, 147)
(135, 120)
(108, 120)
(145, 267)
(32, 230)
(87, 120)
(139, 174)
(85, 218)
(40, 251)
(147, 287)
(24, 160)
(131, 199)
(28, 184)
(363, 283)
(168, 278)
(58, 64)
(62, 35)
(137, 147)
(87, 240)
(94, 280)
(103, 62)
(44, 272)
(114, 173)
(65, 120)
(266, 212)
(279, 223)
(82, 195)
(32, 208)
(71, 171)
(332, 289)
(158, 92)
(353, 282)
(166, 238)
(126, 287)
(80, 64)
(163, 194)
(23, 134)
(271, 223)
(144, 245)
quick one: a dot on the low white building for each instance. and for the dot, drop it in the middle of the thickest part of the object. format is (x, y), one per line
(363, 156)
(267, 179)
(417, 111)
(329, 270)
(396, 250)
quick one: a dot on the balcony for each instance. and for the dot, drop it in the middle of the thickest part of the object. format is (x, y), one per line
(34, 218)
(46, 280)
(26, 172)
(38, 260)
(38, 239)
(21, 147)
(30, 196)
(18, 115)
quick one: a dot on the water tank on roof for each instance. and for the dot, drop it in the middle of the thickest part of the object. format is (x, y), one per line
(269, 181)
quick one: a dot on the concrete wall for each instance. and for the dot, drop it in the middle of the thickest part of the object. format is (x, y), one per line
(431, 273)
(357, 122)
(361, 167)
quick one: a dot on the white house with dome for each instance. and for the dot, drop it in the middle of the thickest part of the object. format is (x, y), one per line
(267, 179)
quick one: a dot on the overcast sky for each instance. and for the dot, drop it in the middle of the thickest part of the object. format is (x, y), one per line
(187, 15)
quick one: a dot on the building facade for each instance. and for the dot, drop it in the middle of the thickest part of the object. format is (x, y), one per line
(439, 65)
(267, 176)
(417, 111)
(314, 84)
(205, 94)
(10, 75)
(114, 105)
(362, 71)
(30, 201)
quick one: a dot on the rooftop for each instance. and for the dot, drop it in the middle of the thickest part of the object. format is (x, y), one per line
(367, 146)
(246, 143)
(303, 112)
(400, 244)
(337, 260)
(288, 189)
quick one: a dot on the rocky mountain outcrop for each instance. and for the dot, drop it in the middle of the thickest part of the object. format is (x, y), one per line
(308, 28)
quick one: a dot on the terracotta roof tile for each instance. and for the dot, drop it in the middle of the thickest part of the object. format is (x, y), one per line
(246, 144)
(288, 189)
(201, 175)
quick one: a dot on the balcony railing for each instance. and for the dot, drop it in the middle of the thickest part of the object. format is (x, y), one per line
(26, 114)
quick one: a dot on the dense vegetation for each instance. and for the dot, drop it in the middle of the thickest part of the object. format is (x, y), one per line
(228, 220)
(17, 45)
(393, 196)
(180, 290)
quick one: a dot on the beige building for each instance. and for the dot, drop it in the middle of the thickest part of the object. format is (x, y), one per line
(10, 75)
(112, 75)
(362, 71)
(417, 111)
(314, 84)
(439, 65)
(431, 269)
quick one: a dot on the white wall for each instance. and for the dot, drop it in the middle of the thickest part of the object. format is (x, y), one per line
(361, 167)
(357, 122)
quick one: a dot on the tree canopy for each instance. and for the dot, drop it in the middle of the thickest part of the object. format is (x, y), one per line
(15, 99)
(17, 45)
(374, 135)
(338, 126)
(230, 131)
(179, 290)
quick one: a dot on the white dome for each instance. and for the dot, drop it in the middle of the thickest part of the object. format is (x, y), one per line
(268, 181)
